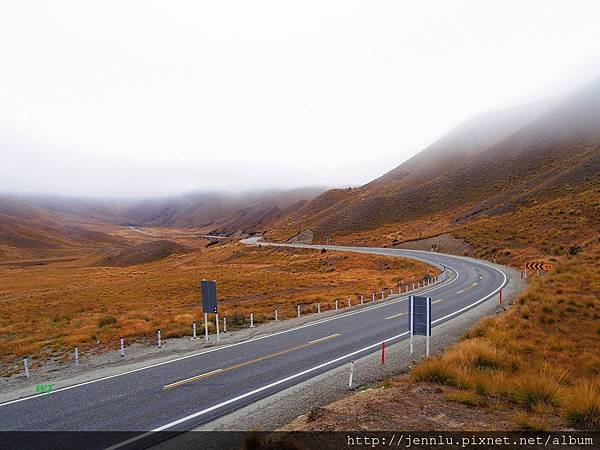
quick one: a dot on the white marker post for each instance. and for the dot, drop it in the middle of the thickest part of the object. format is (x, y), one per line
(194, 337)
(298, 308)
(76, 356)
(206, 327)
(428, 326)
(224, 324)
(122, 348)
(412, 311)
(351, 374)
(318, 308)
(276, 315)
(349, 302)
(336, 304)
(406, 288)
(251, 320)
(362, 299)
(382, 295)
(158, 338)
(413, 287)
(373, 300)
(26, 366)
(217, 323)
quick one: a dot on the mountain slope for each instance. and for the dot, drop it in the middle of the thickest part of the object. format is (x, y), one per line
(490, 165)
(27, 231)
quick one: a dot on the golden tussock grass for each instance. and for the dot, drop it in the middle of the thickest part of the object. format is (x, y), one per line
(541, 355)
(54, 307)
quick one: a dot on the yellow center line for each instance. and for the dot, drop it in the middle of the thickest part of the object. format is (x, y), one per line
(396, 315)
(246, 363)
(469, 288)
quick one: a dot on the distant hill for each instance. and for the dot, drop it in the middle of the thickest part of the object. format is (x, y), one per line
(27, 231)
(492, 164)
(39, 226)
(141, 253)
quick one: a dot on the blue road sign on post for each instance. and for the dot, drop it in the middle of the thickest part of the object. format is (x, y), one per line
(419, 318)
(209, 296)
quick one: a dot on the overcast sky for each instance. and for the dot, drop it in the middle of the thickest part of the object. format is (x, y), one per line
(144, 97)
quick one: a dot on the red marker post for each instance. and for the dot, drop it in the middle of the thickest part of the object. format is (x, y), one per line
(383, 352)
(500, 295)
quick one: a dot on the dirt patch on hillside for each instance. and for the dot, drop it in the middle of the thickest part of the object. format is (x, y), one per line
(401, 404)
(445, 243)
(141, 253)
(304, 237)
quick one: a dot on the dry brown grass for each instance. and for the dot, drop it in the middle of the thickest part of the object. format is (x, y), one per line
(544, 229)
(542, 354)
(54, 307)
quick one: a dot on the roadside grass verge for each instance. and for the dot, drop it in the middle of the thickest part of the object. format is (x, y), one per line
(541, 355)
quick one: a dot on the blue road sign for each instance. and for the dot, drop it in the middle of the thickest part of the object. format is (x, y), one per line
(209, 296)
(419, 315)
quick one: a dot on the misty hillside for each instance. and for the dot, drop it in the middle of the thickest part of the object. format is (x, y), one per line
(489, 165)
(38, 226)
(28, 231)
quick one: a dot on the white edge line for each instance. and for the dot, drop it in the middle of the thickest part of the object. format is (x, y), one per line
(365, 308)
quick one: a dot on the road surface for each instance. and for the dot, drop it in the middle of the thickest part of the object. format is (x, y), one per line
(186, 392)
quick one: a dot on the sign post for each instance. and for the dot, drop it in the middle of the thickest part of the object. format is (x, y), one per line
(209, 304)
(419, 319)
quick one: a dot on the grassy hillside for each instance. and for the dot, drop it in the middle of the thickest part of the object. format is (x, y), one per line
(47, 310)
(492, 166)
(29, 232)
(541, 355)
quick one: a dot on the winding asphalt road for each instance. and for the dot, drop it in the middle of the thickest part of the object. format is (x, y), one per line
(193, 390)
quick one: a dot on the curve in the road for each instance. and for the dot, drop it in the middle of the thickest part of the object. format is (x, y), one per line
(185, 392)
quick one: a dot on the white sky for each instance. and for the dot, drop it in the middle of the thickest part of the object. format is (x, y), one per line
(158, 97)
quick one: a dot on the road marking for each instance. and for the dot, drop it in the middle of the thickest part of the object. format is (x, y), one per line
(326, 338)
(468, 289)
(437, 301)
(396, 315)
(247, 363)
